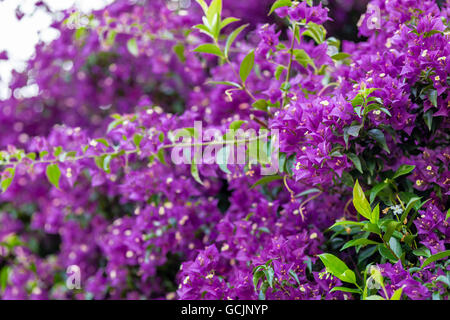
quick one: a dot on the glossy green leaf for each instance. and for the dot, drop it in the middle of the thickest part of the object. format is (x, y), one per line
(403, 169)
(355, 159)
(337, 268)
(226, 83)
(8, 178)
(379, 137)
(222, 159)
(409, 206)
(265, 180)
(280, 3)
(375, 216)
(260, 105)
(53, 174)
(235, 125)
(360, 202)
(4, 275)
(178, 49)
(347, 223)
(210, 49)
(315, 31)
(303, 58)
(228, 21)
(391, 226)
(233, 37)
(160, 156)
(422, 252)
(133, 47)
(373, 228)
(340, 56)
(309, 191)
(195, 174)
(435, 257)
(358, 242)
(203, 4)
(269, 273)
(375, 190)
(344, 289)
(247, 66)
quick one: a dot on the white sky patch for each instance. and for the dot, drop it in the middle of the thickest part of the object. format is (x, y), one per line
(19, 38)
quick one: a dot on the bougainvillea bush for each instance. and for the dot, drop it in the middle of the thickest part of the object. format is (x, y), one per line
(352, 97)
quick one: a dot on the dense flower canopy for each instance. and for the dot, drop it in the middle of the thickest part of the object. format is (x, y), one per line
(360, 105)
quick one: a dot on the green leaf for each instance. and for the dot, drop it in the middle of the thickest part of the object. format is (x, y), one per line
(133, 47)
(428, 118)
(4, 275)
(179, 51)
(294, 275)
(114, 124)
(386, 253)
(341, 56)
(344, 289)
(265, 180)
(260, 104)
(222, 158)
(309, 191)
(435, 257)
(215, 8)
(233, 37)
(375, 217)
(53, 174)
(227, 21)
(448, 215)
(203, 4)
(347, 223)
(379, 137)
(160, 156)
(409, 206)
(226, 83)
(303, 58)
(432, 95)
(360, 202)
(247, 66)
(209, 48)
(366, 253)
(358, 242)
(278, 4)
(235, 125)
(195, 174)
(204, 29)
(375, 190)
(279, 71)
(7, 181)
(352, 130)
(337, 268)
(373, 228)
(213, 17)
(390, 228)
(354, 158)
(257, 275)
(403, 169)
(106, 160)
(137, 139)
(269, 273)
(422, 252)
(395, 245)
(263, 290)
(315, 31)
